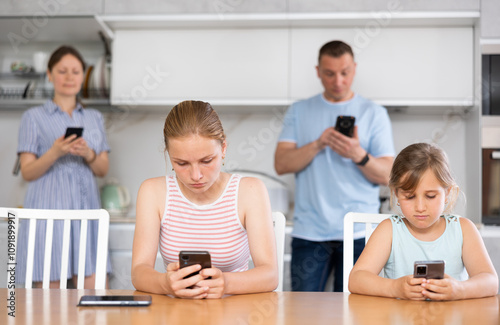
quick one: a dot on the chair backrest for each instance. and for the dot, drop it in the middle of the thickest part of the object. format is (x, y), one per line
(350, 219)
(279, 222)
(14, 215)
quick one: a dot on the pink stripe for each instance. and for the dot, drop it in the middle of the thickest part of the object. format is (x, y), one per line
(207, 213)
(182, 244)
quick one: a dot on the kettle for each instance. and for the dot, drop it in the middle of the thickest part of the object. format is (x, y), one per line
(115, 199)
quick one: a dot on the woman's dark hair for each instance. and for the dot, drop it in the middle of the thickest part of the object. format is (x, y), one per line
(58, 54)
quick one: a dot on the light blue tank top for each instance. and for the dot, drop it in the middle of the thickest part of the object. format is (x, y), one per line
(406, 249)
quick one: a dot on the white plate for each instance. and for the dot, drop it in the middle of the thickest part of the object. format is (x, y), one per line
(97, 76)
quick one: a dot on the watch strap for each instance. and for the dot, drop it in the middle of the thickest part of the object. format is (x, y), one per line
(364, 160)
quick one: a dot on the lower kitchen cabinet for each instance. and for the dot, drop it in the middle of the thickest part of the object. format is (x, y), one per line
(121, 237)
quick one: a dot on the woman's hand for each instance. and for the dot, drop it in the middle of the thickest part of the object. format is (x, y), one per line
(410, 288)
(442, 289)
(63, 146)
(80, 148)
(177, 286)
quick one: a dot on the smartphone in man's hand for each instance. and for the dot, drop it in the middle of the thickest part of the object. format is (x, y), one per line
(345, 125)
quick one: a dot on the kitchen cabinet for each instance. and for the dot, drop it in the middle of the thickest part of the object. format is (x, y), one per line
(490, 23)
(377, 5)
(395, 66)
(121, 237)
(228, 66)
(41, 9)
(134, 7)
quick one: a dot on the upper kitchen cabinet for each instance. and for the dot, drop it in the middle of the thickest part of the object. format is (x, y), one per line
(222, 66)
(395, 66)
(381, 5)
(21, 31)
(134, 7)
(49, 8)
(490, 19)
(425, 66)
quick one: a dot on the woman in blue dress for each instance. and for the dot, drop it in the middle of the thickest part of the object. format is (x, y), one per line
(61, 171)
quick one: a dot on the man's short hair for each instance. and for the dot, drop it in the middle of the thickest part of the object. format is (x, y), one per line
(335, 49)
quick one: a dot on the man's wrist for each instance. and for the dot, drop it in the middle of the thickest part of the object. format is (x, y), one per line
(363, 161)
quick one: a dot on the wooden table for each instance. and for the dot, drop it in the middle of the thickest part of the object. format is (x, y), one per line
(54, 306)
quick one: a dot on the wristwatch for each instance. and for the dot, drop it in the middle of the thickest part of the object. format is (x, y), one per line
(364, 160)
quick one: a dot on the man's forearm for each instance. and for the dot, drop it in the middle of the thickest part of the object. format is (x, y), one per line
(378, 170)
(292, 160)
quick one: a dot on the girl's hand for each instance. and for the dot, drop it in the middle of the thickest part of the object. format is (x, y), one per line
(410, 288)
(216, 285)
(176, 285)
(442, 289)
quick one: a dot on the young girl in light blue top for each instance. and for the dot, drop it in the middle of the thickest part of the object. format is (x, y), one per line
(425, 191)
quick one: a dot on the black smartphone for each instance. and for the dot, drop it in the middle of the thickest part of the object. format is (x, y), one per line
(112, 300)
(74, 130)
(345, 125)
(429, 269)
(188, 258)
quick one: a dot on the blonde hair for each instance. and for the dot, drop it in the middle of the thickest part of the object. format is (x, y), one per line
(193, 118)
(411, 164)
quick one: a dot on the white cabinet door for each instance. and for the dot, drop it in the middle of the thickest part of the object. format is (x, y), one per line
(394, 65)
(490, 23)
(167, 66)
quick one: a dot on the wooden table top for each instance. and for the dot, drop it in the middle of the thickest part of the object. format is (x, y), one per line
(54, 306)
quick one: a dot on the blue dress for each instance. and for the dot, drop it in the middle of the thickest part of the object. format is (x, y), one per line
(68, 184)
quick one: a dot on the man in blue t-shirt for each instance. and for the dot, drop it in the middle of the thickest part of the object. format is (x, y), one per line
(334, 173)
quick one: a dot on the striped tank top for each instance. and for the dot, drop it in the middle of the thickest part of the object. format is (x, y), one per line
(214, 227)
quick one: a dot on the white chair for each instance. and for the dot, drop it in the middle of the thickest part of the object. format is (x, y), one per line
(350, 219)
(67, 215)
(279, 222)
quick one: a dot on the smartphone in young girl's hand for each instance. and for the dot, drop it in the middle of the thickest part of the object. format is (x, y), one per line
(429, 269)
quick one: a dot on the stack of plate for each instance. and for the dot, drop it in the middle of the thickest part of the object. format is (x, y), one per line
(97, 80)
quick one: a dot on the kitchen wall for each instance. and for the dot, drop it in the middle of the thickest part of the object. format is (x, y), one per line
(136, 140)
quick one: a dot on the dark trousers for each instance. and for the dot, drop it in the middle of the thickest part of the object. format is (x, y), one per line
(313, 262)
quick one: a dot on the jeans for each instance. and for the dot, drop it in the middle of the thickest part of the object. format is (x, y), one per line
(313, 262)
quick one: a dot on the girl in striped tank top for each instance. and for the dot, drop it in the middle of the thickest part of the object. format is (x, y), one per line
(202, 208)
